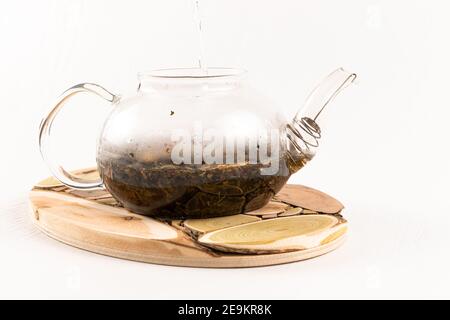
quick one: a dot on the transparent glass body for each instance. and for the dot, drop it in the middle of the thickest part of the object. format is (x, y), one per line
(190, 144)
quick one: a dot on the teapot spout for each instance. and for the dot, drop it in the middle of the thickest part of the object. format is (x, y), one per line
(304, 132)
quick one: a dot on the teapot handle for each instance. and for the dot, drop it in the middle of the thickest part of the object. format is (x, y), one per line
(45, 144)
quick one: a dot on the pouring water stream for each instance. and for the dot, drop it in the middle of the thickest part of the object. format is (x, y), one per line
(198, 22)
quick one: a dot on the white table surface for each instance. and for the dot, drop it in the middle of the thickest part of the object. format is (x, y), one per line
(384, 257)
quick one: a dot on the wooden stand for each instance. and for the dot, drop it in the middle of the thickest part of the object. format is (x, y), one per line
(298, 224)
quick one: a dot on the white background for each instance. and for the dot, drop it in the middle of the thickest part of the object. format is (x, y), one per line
(385, 153)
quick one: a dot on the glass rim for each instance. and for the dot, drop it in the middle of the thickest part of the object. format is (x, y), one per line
(192, 73)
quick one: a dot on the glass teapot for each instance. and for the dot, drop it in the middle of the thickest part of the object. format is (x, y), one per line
(190, 144)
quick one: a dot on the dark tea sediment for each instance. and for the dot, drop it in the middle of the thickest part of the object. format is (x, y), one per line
(190, 191)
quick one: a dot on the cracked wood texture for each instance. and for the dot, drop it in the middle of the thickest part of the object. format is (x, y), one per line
(298, 224)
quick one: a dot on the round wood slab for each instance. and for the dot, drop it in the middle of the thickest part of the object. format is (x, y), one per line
(300, 223)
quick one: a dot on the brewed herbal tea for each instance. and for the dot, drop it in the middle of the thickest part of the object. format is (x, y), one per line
(191, 191)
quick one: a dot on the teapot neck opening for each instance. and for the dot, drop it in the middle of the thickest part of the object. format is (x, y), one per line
(185, 80)
(192, 73)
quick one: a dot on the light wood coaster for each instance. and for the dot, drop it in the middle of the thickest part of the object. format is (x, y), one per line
(298, 224)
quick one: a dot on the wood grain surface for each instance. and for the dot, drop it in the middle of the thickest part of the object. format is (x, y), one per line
(300, 223)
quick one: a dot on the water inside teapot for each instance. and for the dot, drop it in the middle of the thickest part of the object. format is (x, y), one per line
(192, 191)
